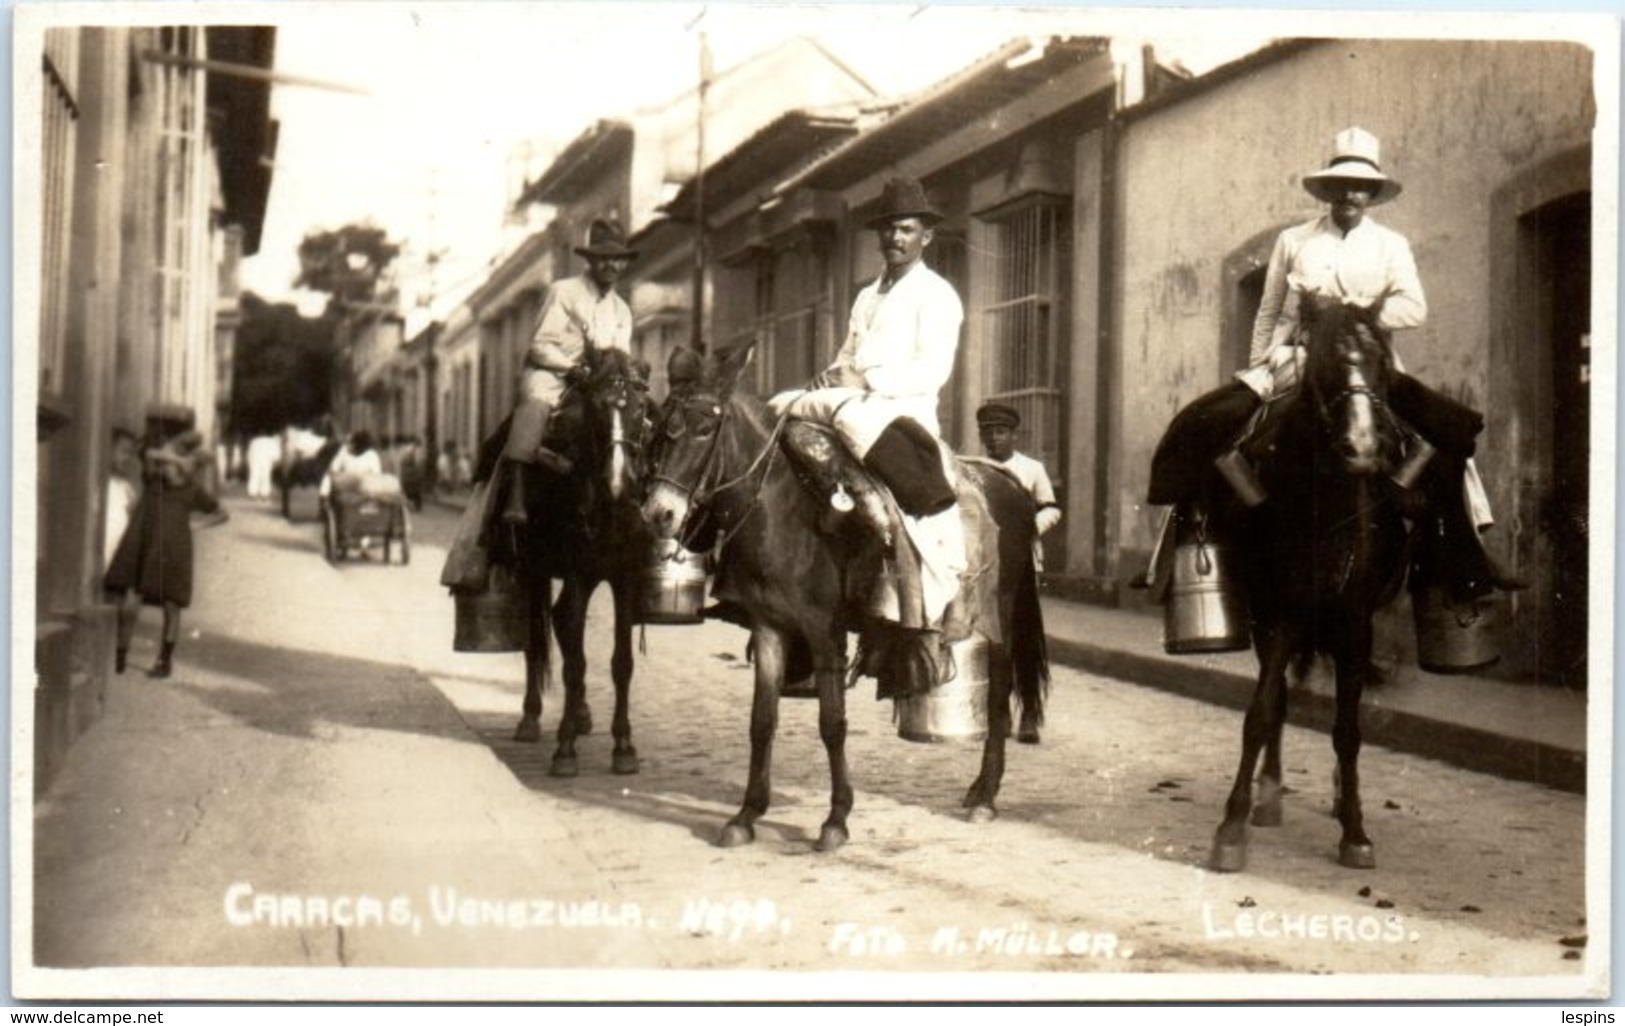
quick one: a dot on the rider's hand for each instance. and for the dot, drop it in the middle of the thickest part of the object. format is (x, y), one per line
(575, 376)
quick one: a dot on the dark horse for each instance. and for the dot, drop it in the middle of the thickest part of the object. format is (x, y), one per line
(584, 529)
(717, 460)
(1321, 555)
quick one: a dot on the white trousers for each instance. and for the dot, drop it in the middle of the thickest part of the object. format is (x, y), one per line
(859, 417)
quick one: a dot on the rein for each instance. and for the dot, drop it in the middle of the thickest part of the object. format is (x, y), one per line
(700, 496)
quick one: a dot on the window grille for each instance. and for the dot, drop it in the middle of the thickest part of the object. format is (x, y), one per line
(791, 298)
(60, 66)
(1022, 324)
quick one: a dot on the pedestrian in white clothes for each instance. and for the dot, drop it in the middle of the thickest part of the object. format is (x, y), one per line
(881, 392)
(263, 453)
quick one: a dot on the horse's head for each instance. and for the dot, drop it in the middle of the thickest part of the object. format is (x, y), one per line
(1346, 378)
(615, 398)
(686, 454)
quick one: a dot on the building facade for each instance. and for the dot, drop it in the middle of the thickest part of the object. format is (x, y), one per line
(153, 181)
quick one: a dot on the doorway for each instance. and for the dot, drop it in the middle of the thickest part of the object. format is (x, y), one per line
(1558, 246)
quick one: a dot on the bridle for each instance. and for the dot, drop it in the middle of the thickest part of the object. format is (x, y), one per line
(702, 494)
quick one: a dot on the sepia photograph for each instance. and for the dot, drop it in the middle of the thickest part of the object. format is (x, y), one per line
(564, 502)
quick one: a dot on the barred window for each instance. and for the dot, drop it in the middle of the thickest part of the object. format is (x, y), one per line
(1022, 323)
(791, 299)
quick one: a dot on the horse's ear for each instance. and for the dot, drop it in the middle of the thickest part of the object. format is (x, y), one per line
(730, 363)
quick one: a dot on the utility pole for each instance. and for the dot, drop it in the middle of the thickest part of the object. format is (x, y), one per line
(699, 198)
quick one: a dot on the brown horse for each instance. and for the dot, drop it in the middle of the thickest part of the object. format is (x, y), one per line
(584, 529)
(717, 470)
(1321, 555)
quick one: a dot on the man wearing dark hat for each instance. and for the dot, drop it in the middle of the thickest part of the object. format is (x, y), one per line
(880, 394)
(1344, 255)
(997, 424)
(578, 314)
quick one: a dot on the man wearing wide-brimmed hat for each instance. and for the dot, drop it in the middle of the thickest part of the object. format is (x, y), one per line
(880, 393)
(1345, 255)
(578, 314)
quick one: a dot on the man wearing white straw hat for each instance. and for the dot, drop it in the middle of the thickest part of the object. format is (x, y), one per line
(1345, 255)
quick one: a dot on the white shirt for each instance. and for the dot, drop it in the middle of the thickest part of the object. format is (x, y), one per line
(903, 340)
(1033, 477)
(121, 500)
(348, 464)
(573, 308)
(1371, 262)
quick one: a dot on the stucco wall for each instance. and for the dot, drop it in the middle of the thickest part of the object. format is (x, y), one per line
(1457, 121)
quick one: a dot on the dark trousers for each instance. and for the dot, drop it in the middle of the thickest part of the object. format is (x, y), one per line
(1207, 428)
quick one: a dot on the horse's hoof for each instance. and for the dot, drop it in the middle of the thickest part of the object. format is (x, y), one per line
(982, 814)
(1027, 737)
(584, 722)
(735, 835)
(528, 731)
(1267, 815)
(1357, 856)
(977, 795)
(831, 837)
(624, 763)
(564, 766)
(1228, 858)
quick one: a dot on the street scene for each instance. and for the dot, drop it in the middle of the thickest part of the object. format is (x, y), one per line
(329, 745)
(810, 504)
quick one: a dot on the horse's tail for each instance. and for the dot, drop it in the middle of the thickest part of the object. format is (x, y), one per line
(1029, 657)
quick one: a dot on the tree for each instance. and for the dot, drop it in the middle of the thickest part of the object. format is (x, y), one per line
(350, 264)
(282, 369)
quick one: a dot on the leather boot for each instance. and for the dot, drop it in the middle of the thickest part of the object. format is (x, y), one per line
(513, 493)
(165, 665)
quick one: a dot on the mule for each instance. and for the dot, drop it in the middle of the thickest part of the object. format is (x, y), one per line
(1319, 557)
(585, 529)
(716, 469)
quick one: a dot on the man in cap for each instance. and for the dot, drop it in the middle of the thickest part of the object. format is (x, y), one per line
(1346, 255)
(579, 313)
(880, 393)
(997, 424)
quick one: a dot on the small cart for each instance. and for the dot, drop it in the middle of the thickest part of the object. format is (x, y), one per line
(351, 520)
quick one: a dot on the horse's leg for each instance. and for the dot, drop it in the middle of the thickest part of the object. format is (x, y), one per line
(769, 645)
(569, 626)
(831, 679)
(1355, 850)
(625, 758)
(985, 789)
(536, 659)
(1230, 841)
(1267, 805)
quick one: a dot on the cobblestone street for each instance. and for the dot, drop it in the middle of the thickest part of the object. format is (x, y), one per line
(321, 742)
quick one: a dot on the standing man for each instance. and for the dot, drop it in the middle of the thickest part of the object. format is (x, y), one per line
(880, 394)
(579, 313)
(997, 424)
(1346, 255)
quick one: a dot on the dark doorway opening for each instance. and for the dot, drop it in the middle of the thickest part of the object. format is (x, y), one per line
(1559, 246)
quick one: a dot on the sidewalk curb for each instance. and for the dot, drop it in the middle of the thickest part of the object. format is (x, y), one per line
(1468, 747)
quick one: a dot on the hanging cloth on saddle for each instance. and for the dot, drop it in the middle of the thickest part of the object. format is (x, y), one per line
(886, 579)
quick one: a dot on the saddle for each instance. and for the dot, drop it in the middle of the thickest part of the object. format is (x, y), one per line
(904, 655)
